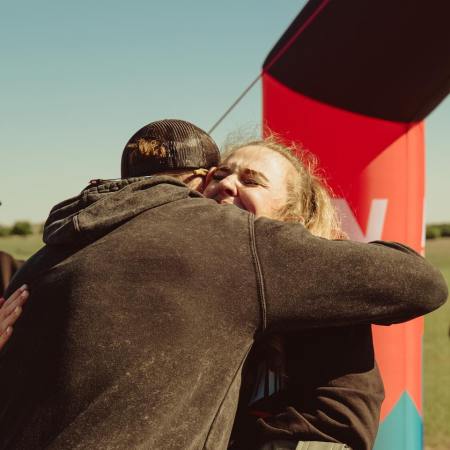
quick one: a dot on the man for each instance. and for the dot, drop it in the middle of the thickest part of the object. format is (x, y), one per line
(147, 296)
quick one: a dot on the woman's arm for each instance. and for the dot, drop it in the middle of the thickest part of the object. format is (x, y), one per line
(10, 310)
(332, 391)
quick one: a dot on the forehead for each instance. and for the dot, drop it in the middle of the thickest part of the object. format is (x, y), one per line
(258, 158)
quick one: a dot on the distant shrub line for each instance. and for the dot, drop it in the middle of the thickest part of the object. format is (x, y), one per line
(435, 231)
(24, 228)
(20, 228)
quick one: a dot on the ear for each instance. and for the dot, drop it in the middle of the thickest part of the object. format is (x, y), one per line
(196, 183)
(209, 175)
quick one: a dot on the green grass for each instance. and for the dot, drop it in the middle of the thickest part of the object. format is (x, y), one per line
(21, 247)
(436, 341)
(436, 383)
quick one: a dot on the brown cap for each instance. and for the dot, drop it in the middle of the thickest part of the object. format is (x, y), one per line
(168, 145)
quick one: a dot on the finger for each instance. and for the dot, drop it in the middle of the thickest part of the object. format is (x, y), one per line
(2, 300)
(16, 293)
(11, 305)
(10, 320)
(5, 336)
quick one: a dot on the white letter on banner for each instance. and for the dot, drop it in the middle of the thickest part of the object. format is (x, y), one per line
(375, 224)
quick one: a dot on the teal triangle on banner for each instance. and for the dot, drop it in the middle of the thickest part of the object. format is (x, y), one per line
(402, 429)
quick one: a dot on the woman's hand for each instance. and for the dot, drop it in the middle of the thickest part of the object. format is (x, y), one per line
(10, 311)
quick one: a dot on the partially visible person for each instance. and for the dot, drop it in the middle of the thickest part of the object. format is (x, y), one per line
(11, 309)
(8, 267)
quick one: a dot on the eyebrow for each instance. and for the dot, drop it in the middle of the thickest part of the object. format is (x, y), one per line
(251, 172)
(224, 169)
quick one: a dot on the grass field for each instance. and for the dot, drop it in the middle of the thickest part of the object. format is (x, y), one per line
(21, 247)
(436, 384)
(436, 342)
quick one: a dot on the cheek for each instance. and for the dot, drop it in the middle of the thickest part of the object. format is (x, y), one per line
(254, 201)
(211, 189)
(262, 203)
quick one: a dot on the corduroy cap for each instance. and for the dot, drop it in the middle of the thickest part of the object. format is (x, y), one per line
(168, 144)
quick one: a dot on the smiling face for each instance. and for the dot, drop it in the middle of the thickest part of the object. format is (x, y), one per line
(253, 178)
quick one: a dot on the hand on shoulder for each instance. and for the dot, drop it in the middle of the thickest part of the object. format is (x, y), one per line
(10, 310)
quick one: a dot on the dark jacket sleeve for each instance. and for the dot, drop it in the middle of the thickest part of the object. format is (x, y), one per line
(334, 389)
(309, 282)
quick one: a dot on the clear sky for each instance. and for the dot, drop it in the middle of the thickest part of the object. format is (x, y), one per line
(77, 78)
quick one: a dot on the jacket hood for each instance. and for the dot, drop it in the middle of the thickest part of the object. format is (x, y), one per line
(101, 208)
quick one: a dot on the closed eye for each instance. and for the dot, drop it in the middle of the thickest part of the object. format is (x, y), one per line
(219, 176)
(250, 182)
(252, 177)
(221, 172)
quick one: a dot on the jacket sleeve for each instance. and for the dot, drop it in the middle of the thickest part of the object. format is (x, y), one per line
(333, 389)
(309, 282)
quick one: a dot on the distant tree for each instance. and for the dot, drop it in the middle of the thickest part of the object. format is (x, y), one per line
(445, 230)
(433, 231)
(22, 228)
(4, 231)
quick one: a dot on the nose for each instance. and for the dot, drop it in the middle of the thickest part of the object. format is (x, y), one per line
(228, 186)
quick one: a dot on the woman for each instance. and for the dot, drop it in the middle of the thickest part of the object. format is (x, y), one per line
(323, 384)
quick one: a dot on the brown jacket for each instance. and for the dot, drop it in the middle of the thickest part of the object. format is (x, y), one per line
(146, 300)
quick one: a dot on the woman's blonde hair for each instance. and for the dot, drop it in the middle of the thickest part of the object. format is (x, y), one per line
(309, 197)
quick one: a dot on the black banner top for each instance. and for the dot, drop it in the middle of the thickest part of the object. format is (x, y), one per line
(386, 59)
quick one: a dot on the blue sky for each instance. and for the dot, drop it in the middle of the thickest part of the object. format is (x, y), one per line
(78, 78)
